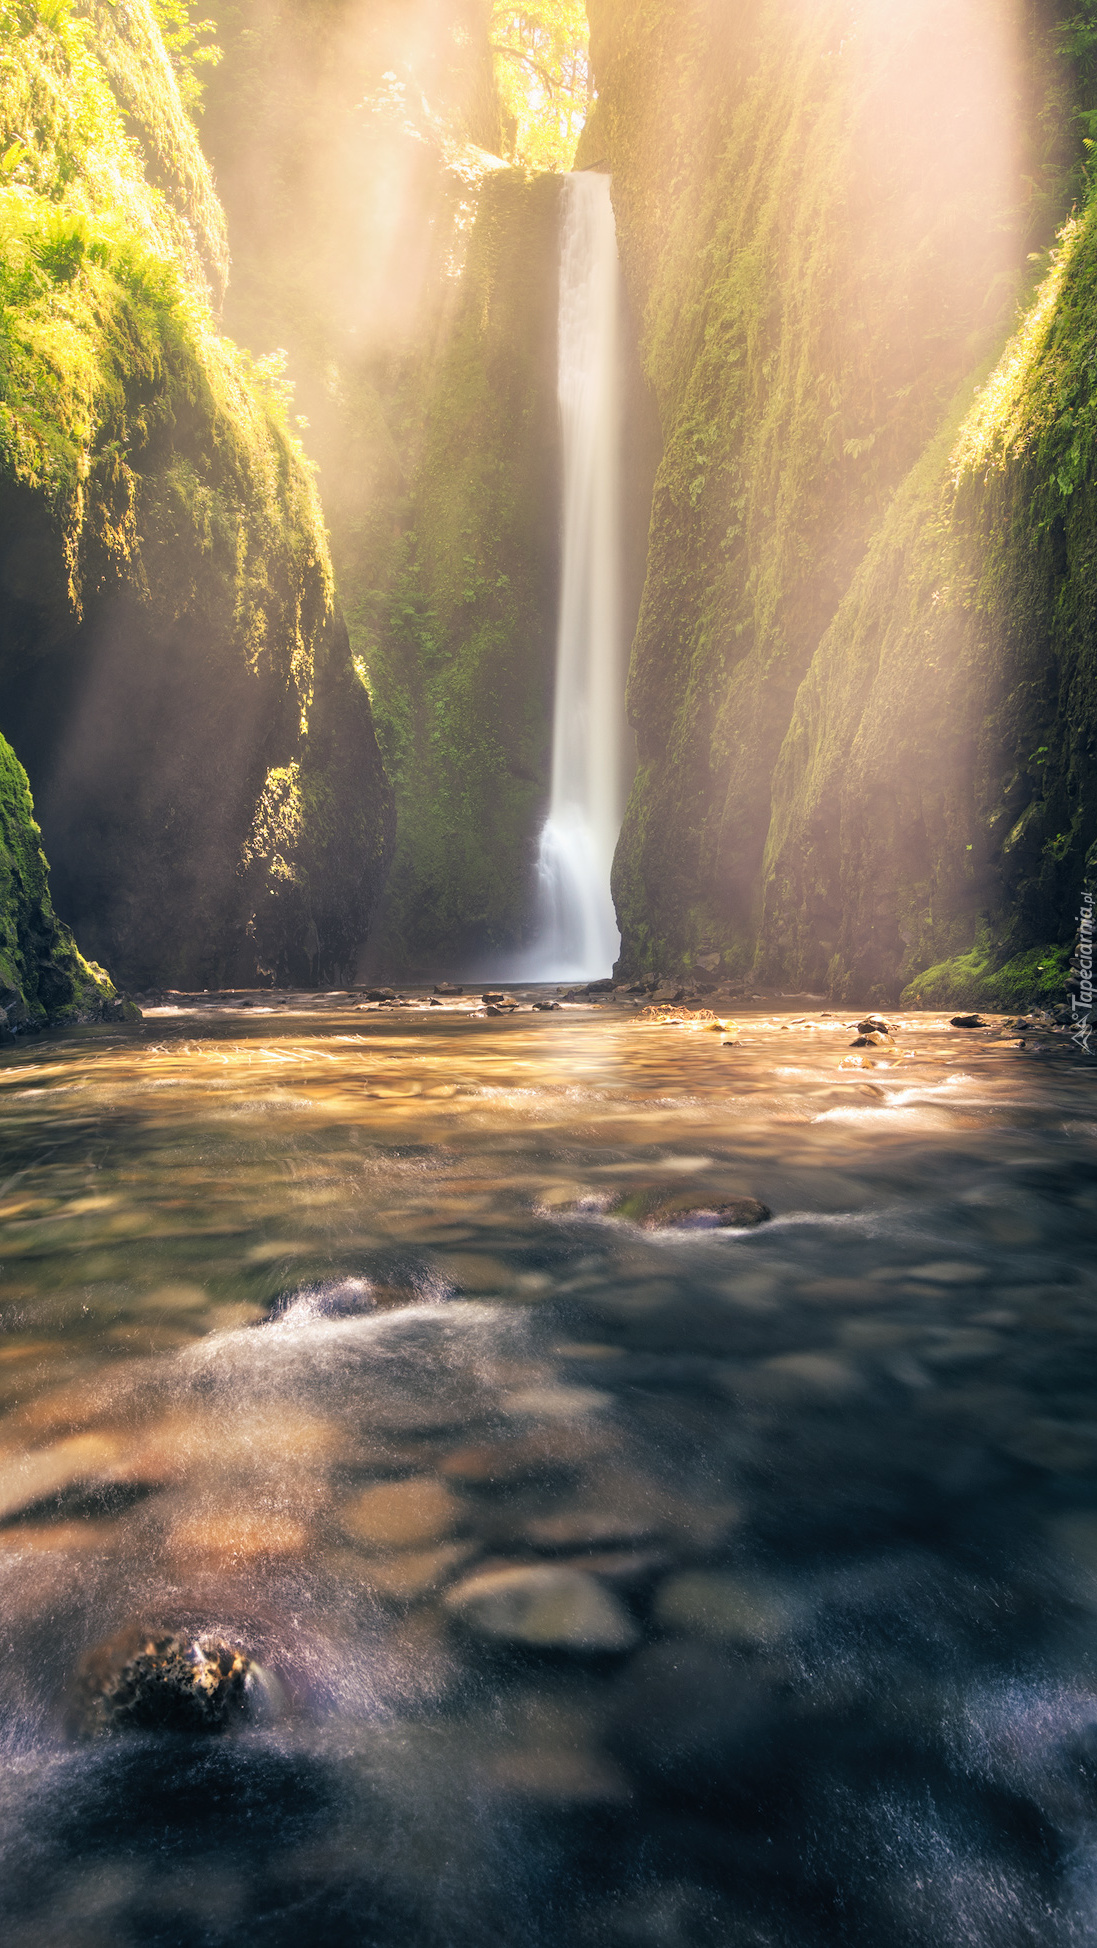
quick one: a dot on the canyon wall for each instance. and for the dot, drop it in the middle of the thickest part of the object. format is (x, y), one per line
(859, 675)
(174, 673)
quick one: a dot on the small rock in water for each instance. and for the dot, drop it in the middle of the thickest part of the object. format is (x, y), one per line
(663, 1210)
(380, 994)
(547, 1007)
(876, 1038)
(342, 1298)
(727, 1608)
(967, 1021)
(548, 1606)
(403, 1514)
(156, 1680)
(874, 1025)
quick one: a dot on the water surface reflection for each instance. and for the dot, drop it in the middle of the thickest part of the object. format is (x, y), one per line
(612, 1585)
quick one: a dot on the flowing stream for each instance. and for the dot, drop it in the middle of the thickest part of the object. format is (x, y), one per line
(332, 1330)
(577, 933)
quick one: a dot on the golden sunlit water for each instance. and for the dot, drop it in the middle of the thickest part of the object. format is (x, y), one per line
(323, 1330)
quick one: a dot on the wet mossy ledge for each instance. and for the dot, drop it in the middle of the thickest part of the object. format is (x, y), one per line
(863, 683)
(44, 978)
(461, 677)
(174, 672)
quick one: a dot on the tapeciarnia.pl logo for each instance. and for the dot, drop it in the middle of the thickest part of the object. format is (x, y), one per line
(1082, 1002)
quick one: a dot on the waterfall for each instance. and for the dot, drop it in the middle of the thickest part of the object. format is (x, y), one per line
(577, 933)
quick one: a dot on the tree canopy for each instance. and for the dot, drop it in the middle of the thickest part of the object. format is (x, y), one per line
(543, 75)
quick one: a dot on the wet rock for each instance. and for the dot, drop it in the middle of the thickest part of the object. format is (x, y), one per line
(32, 1477)
(808, 1376)
(967, 1021)
(443, 987)
(232, 1535)
(157, 1680)
(748, 1610)
(661, 1210)
(402, 1514)
(380, 994)
(340, 1298)
(547, 1007)
(416, 1572)
(874, 1025)
(688, 1717)
(670, 992)
(875, 1038)
(547, 1606)
(550, 1450)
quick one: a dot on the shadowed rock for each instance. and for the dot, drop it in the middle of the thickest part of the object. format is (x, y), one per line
(155, 1680)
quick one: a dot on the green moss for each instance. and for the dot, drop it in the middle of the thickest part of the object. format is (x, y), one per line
(462, 679)
(823, 237)
(1035, 979)
(43, 975)
(168, 632)
(935, 803)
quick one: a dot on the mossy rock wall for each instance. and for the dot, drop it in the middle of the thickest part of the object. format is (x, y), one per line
(43, 976)
(168, 634)
(935, 803)
(824, 231)
(462, 680)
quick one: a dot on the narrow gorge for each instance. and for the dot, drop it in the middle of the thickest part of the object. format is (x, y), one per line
(548, 828)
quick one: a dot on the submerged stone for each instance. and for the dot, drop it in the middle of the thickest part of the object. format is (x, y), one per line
(547, 1606)
(403, 1514)
(157, 1680)
(669, 1210)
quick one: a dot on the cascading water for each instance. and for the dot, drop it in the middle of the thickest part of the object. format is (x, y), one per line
(577, 932)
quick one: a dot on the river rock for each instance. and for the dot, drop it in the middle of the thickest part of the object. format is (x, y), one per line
(402, 1514)
(380, 994)
(661, 1209)
(748, 1610)
(548, 1606)
(669, 992)
(967, 1021)
(158, 1680)
(874, 1025)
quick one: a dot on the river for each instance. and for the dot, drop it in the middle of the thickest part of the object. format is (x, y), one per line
(321, 1324)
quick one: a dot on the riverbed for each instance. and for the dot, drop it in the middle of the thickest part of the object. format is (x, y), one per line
(608, 1583)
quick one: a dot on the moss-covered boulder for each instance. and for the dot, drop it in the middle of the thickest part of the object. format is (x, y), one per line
(824, 221)
(169, 640)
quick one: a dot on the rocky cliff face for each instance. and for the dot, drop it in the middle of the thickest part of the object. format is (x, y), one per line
(462, 676)
(173, 670)
(412, 279)
(826, 215)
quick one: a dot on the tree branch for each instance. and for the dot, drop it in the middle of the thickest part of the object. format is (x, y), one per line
(515, 54)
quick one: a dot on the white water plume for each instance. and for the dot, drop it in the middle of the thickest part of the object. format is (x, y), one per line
(577, 933)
